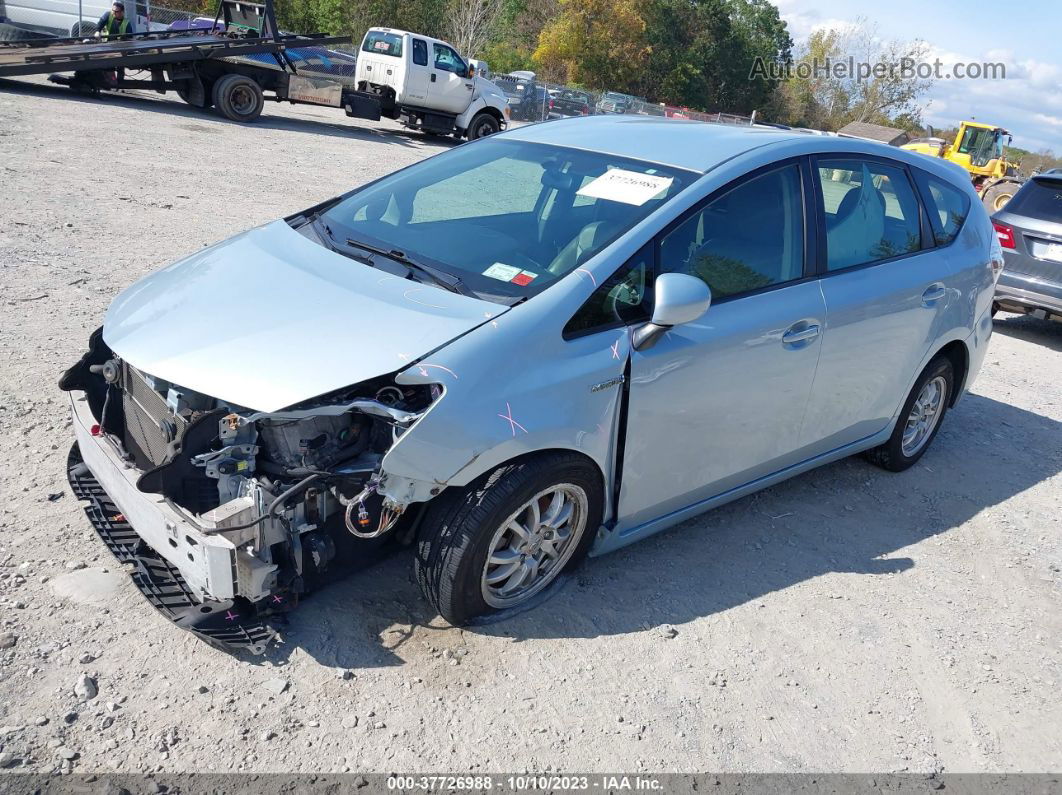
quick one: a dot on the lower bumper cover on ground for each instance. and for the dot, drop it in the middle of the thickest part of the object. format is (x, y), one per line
(220, 623)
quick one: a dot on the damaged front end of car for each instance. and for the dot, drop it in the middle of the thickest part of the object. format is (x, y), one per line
(228, 515)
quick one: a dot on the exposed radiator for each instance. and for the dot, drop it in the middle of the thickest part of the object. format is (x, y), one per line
(150, 426)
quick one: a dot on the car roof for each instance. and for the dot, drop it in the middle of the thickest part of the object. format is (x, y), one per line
(692, 145)
(701, 146)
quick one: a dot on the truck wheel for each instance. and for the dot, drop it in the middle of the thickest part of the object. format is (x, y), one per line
(239, 98)
(996, 197)
(497, 544)
(483, 124)
(82, 30)
(208, 92)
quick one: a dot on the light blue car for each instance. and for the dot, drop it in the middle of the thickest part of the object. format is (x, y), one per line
(551, 342)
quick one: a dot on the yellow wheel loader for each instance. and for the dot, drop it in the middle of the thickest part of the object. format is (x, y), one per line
(978, 148)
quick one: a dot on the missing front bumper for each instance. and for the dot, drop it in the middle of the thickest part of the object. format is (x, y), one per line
(225, 624)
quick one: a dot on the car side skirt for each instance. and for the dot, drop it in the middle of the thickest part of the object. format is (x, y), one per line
(609, 541)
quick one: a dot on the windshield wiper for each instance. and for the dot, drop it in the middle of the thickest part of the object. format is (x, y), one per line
(330, 241)
(445, 280)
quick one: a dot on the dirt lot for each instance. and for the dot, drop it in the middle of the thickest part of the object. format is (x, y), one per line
(847, 620)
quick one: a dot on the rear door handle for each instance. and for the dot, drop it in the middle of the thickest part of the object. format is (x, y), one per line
(933, 294)
(794, 335)
(433, 77)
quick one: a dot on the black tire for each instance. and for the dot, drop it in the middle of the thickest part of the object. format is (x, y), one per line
(208, 96)
(996, 197)
(459, 526)
(891, 455)
(239, 98)
(82, 30)
(482, 125)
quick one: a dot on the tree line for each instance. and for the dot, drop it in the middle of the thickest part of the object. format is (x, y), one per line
(697, 54)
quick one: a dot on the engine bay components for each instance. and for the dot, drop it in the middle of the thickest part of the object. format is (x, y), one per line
(294, 492)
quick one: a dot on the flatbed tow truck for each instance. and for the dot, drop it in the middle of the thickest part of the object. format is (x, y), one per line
(222, 65)
(238, 63)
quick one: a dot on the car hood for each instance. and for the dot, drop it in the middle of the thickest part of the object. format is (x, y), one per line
(270, 318)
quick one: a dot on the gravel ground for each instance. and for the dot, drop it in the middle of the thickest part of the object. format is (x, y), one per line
(847, 620)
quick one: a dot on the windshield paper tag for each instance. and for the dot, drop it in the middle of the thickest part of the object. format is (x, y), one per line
(629, 187)
(502, 272)
(524, 278)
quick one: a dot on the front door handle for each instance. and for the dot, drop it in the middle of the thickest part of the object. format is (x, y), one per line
(933, 294)
(794, 335)
(433, 77)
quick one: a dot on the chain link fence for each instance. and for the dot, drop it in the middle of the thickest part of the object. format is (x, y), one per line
(531, 100)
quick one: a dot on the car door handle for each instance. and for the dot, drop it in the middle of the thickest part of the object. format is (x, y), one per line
(794, 335)
(933, 294)
(433, 77)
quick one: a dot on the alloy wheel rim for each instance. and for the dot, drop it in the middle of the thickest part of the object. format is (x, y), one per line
(533, 545)
(924, 416)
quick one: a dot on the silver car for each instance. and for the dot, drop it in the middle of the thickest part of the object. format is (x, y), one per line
(1029, 229)
(552, 342)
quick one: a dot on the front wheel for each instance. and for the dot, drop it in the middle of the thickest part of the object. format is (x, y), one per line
(996, 197)
(919, 419)
(239, 98)
(483, 124)
(498, 544)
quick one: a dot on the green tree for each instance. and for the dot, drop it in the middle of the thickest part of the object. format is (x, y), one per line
(597, 43)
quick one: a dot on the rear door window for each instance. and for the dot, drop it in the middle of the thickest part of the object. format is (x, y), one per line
(946, 205)
(1039, 198)
(870, 209)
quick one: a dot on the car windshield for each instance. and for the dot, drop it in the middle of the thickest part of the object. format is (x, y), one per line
(508, 218)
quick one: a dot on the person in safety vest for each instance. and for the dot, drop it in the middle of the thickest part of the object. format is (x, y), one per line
(114, 22)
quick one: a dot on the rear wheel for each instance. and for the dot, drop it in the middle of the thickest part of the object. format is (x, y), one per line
(208, 95)
(498, 544)
(919, 419)
(239, 98)
(483, 124)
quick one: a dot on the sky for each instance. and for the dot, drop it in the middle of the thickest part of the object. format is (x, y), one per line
(1025, 35)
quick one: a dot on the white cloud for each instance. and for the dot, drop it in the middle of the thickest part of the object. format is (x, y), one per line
(1028, 101)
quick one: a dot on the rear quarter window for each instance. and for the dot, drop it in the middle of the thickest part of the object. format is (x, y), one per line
(381, 43)
(946, 204)
(1040, 199)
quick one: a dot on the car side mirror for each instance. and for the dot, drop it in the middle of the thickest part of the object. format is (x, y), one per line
(679, 298)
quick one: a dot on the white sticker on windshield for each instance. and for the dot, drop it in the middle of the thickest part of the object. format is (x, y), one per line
(629, 187)
(502, 272)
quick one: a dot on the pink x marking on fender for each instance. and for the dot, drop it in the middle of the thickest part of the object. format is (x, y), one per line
(615, 349)
(277, 600)
(508, 416)
(231, 616)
